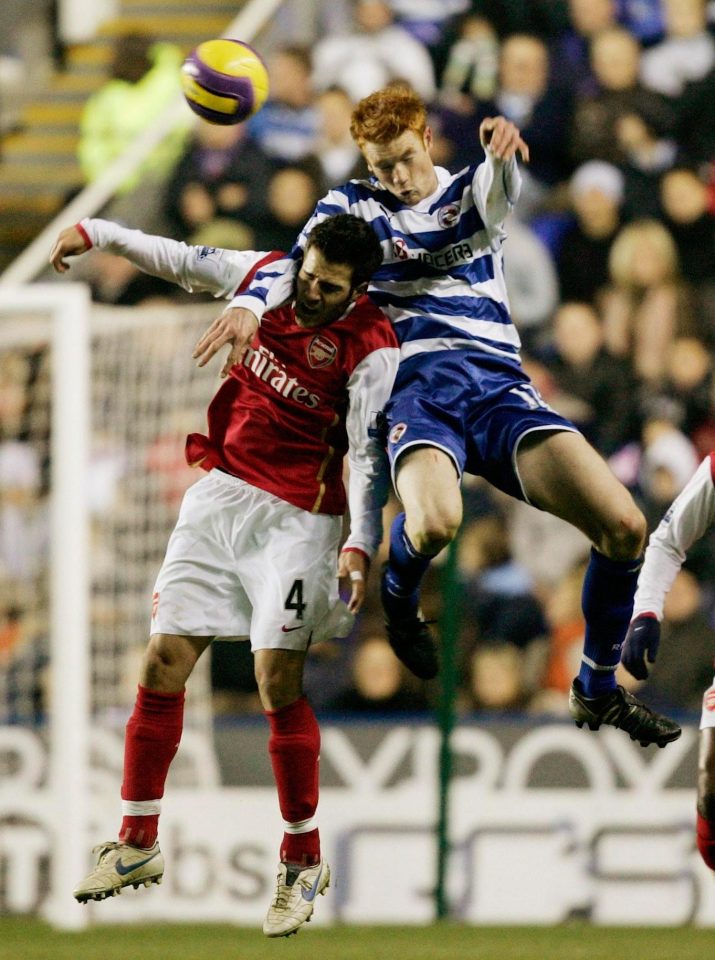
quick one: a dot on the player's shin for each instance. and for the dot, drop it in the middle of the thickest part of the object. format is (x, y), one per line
(152, 738)
(607, 601)
(405, 569)
(294, 747)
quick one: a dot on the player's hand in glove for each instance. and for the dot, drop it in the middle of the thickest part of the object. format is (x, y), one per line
(641, 643)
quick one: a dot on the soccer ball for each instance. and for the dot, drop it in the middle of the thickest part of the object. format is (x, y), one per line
(224, 81)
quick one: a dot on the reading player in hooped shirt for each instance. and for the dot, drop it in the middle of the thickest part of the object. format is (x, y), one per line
(690, 517)
(462, 401)
(254, 551)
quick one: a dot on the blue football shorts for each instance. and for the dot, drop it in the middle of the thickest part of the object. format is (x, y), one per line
(476, 409)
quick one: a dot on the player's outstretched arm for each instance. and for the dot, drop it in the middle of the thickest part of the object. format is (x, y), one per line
(70, 243)
(236, 326)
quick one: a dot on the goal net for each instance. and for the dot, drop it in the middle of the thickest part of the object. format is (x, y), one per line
(95, 405)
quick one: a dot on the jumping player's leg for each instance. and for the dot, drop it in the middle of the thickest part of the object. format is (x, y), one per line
(294, 747)
(153, 732)
(152, 738)
(562, 474)
(428, 486)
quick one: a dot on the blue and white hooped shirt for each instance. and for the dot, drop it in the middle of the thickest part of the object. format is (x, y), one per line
(441, 282)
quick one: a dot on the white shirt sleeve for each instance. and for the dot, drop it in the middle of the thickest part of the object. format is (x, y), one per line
(209, 269)
(369, 387)
(496, 186)
(690, 515)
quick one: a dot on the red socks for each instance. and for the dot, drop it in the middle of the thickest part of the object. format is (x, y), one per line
(294, 747)
(152, 739)
(706, 840)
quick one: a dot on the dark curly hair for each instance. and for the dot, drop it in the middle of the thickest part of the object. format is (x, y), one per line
(349, 240)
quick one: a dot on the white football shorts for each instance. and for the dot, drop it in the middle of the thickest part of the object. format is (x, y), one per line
(707, 718)
(243, 564)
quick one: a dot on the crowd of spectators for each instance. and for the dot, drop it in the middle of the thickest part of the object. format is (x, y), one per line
(610, 264)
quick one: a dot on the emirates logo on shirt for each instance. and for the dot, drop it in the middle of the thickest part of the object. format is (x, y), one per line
(321, 351)
(710, 700)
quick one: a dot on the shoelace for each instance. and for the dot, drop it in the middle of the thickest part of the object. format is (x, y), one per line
(284, 889)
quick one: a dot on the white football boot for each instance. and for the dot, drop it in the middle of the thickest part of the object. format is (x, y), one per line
(294, 900)
(119, 865)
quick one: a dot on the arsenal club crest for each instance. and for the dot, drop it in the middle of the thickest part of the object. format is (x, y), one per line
(321, 351)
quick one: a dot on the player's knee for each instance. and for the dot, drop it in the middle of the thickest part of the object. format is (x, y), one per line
(275, 688)
(435, 532)
(165, 664)
(625, 538)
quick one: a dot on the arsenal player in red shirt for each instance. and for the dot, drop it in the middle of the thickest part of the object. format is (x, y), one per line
(254, 551)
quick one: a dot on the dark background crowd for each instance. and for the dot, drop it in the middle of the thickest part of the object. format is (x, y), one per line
(610, 262)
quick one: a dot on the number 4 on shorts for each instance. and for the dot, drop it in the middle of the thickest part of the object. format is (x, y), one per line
(294, 600)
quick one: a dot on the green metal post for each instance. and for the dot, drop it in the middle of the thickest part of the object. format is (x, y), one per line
(446, 717)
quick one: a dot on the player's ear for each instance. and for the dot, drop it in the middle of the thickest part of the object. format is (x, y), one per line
(427, 138)
(358, 292)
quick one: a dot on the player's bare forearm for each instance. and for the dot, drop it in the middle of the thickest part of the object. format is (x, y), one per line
(70, 243)
(236, 326)
(503, 139)
(354, 565)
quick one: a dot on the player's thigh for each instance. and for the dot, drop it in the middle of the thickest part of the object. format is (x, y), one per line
(560, 472)
(292, 579)
(427, 483)
(198, 592)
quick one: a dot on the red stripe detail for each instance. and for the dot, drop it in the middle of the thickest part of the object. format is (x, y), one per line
(355, 550)
(269, 258)
(85, 235)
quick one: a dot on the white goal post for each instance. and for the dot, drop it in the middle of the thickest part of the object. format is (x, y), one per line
(61, 315)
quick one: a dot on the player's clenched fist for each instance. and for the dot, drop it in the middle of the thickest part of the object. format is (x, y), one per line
(502, 138)
(236, 326)
(641, 642)
(71, 242)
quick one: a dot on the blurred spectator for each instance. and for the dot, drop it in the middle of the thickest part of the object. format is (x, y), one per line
(615, 59)
(686, 205)
(144, 80)
(291, 195)
(596, 390)
(596, 192)
(495, 679)
(286, 128)
(686, 53)
(570, 52)
(337, 156)
(531, 281)
(642, 18)
(24, 534)
(684, 666)
(525, 97)
(668, 461)
(428, 20)
(689, 382)
(472, 65)
(376, 51)
(646, 304)
(222, 174)
(379, 683)
(695, 120)
(646, 157)
(566, 633)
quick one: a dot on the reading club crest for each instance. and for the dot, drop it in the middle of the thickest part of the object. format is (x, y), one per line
(448, 216)
(321, 351)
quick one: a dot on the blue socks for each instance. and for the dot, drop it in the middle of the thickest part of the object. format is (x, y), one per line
(607, 604)
(405, 568)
